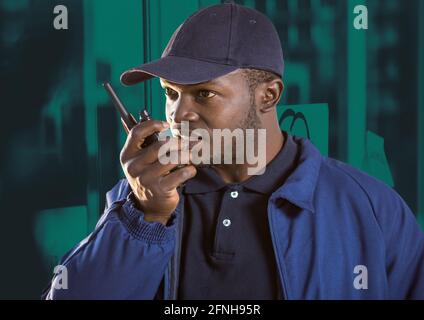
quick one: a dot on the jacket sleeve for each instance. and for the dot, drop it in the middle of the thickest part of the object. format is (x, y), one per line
(125, 257)
(404, 248)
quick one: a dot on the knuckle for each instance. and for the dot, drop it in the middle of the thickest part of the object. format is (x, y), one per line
(153, 186)
(155, 123)
(136, 133)
(131, 168)
(140, 181)
(122, 157)
(161, 187)
(131, 134)
(190, 171)
(185, 174)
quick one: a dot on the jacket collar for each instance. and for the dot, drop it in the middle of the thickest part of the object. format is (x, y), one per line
(299, 187)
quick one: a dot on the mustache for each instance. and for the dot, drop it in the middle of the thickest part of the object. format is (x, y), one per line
(176, 130)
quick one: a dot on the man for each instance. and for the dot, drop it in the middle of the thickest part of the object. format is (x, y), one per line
(309, 227)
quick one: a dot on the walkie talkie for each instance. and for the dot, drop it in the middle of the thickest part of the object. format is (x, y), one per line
(145, 116)
(127, 117)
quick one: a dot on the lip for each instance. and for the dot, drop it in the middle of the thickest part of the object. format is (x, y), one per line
(191, 136)
(190, 142)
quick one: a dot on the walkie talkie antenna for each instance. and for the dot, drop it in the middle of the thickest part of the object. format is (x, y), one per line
(126, 117)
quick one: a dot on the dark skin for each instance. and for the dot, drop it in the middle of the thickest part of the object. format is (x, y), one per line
(221, 103)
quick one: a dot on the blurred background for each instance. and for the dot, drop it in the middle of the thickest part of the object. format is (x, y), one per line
(360, 93)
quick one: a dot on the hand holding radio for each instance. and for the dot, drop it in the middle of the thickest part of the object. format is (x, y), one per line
(154, 184)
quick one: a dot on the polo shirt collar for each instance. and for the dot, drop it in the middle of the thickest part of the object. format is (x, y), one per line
(277, 170)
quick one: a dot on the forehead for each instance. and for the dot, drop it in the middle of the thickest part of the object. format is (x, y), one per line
(226, 80)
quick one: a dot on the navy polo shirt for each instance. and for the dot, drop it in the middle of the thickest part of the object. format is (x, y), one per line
(227, 252)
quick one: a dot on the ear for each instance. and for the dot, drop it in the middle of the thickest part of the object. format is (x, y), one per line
(269, 94)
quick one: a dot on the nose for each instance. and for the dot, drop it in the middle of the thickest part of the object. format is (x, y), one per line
(182, 110)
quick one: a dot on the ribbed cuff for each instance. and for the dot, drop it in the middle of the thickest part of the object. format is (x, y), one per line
(152, 232)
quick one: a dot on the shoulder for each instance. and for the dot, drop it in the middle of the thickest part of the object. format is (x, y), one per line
(337, 181)
(349, 179)
(363, 194)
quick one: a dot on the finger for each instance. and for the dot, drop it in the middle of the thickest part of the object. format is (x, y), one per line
(171, 181)
(153, 161)
(139, 133)
(151, 154)
(161, 167)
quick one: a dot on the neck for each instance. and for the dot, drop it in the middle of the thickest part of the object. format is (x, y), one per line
(236, 173)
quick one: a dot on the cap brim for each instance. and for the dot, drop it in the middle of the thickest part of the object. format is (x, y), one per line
(178, 70)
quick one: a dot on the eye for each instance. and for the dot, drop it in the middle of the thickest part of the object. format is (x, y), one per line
(206, 94)
(172, 94)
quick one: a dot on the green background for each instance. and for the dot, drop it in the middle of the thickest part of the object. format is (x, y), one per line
(361, 92)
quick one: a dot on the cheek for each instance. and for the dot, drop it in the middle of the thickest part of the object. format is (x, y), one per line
(231, 112)
(221, 117)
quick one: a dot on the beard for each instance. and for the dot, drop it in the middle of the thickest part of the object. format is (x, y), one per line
(250, 121)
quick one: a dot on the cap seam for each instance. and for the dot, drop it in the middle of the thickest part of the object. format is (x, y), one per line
(230, 33)
(178, 38)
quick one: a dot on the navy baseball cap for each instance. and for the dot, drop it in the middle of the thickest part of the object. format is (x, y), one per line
(213, 42)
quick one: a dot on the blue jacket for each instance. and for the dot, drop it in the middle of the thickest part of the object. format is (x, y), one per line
(341, 234)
